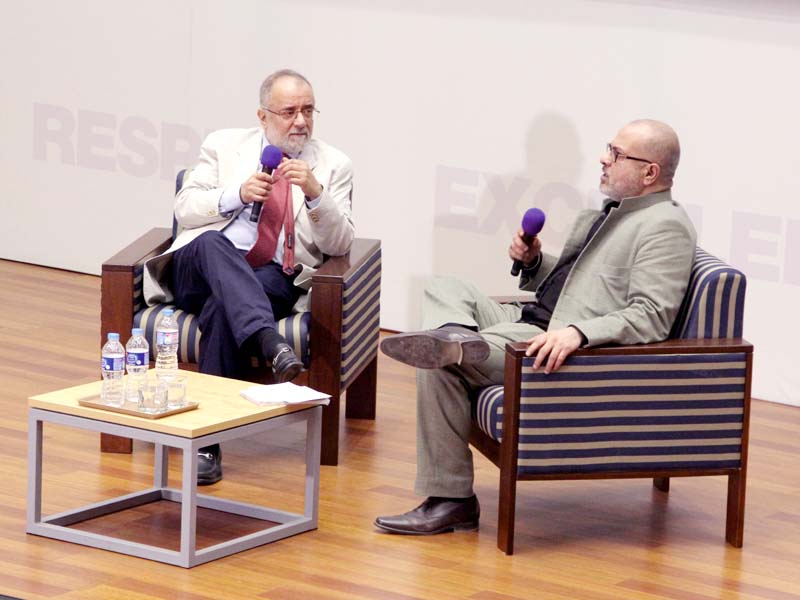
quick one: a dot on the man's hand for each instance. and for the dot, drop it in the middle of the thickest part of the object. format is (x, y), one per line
(553, 346)
(256, 188)
(297, 172)
(522, 251)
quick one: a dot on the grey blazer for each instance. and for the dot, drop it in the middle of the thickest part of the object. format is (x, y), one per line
(627, 285)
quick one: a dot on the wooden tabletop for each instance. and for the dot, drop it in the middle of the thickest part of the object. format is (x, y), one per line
(220, 407)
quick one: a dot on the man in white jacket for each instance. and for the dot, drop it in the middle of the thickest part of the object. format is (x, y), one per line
(216, 267)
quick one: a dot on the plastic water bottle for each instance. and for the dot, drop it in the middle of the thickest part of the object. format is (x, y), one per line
(167, 345)
(137, 361)
(112, 364)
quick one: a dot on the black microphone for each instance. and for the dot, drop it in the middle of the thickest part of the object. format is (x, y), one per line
(532, 223)
(271, 157)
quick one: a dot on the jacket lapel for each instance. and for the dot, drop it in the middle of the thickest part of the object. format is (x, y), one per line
(247, 158)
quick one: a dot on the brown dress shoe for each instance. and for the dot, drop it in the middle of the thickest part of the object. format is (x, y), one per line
(437, 348)
(435, 515)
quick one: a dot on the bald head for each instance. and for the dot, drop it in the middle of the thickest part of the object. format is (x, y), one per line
(658, 142)
(640, 160)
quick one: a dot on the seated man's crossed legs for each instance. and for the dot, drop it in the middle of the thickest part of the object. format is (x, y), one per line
(237, 309)
(462, 350)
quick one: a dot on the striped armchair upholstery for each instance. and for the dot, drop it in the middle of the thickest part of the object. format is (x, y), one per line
(675, 408)
(337, 340)
(360, 324)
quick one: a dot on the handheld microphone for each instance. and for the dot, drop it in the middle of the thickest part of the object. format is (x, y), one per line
(271, 157)
(532, 223)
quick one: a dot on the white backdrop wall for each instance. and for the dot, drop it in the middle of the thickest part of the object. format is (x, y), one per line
(458, 115)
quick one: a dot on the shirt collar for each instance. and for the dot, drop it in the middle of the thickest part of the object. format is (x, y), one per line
(637, 202)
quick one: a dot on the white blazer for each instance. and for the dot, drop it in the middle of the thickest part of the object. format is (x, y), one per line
(229, 157)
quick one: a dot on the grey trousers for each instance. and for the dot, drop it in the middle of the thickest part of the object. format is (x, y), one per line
(444, 460)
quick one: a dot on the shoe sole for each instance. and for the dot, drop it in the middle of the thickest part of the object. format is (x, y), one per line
(208, 480)
(467, 526)
(289, 373)
(427, 351)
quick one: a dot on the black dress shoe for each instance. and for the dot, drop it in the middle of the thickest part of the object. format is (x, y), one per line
(285, 364)
(437, 348)
(209, 465)
(435, 515)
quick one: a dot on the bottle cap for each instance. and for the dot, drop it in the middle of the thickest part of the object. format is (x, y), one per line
(137, 331)
(113, 337)
(167, 312)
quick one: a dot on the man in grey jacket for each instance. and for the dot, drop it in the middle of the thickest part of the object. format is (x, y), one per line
(620, 279)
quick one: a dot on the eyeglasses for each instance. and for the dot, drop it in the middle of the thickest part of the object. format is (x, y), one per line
(616, 155)
(290, 114)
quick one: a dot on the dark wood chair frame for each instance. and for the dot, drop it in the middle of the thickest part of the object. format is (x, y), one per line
(504, 454)
(117, 309)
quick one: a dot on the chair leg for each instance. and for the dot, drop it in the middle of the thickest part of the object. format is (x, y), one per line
(329, 454)
(661, 483)
(734, 521)
(506, 512)
(360, 399)
(115, 444)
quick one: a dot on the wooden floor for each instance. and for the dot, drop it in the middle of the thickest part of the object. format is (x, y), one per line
(596, 540)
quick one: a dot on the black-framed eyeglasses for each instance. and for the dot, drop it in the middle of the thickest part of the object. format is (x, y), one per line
(616, 154)
(290, 114)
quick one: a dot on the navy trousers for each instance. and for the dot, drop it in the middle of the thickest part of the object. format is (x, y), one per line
(232, 300)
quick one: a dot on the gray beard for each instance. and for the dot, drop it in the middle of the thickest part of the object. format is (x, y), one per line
(293, 146)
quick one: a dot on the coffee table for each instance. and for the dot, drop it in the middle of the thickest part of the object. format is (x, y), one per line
(222, 415)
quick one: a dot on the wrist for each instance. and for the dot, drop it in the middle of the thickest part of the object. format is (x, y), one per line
(316, 193)
(313, 192)
(534, 264)
(583, 339)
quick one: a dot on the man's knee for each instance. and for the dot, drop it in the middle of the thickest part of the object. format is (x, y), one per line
(446, 282)
(211, 245)
(211, 239)
(447, 289)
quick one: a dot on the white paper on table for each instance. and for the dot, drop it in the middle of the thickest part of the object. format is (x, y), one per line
(283, 393)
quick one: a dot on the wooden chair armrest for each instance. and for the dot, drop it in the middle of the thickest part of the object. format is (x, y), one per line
(327, 285)
(338, 268)
(152, 243)
(522, 298)
(117, 280)
(687, 346)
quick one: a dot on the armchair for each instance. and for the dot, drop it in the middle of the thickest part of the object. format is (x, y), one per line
(337, 340)
(677, 408)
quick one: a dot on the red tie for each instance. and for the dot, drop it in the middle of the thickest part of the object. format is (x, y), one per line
(277, 212)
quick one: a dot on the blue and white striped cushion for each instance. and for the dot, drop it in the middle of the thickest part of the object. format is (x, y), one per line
(189, 333)
(294, 328)
(714, 303)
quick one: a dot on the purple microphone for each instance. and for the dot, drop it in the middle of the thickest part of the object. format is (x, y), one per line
(271, 157)
(532, 223)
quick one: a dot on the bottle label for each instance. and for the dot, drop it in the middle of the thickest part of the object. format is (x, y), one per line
(112, 363)
(166, 337)
(136, 359)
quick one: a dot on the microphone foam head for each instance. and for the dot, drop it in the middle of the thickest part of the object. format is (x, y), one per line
(271, 156)
(533, 221)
